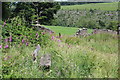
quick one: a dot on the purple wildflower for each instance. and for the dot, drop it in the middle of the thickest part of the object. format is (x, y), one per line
(6, 58)
(20, 35)
(10, 39)
(6, 46)
(53, 37)
(61, 36)
(26, 43)
(59, 40)
(57, 37)
(6, 40)
(50, 32)
(69, 46)
(23, 40)
(18, 24)
(0, 46)
(36, 34)
(4, 23)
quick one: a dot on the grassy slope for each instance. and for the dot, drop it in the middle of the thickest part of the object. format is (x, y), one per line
(89, 59)
(98, 6)
(72, 57)
(64, 30)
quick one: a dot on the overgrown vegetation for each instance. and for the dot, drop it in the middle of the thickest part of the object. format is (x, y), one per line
(72, 57)
(17, 34)
(93, 56)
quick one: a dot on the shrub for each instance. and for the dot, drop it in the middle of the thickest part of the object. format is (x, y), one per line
(19, 34)
(86, 18)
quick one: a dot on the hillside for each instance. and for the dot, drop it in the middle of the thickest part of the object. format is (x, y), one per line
(99, 6)
(93, 15)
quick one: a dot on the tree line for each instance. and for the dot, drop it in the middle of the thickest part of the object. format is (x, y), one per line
(29, 12)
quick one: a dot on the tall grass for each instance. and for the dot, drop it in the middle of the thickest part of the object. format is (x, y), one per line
(91, 57)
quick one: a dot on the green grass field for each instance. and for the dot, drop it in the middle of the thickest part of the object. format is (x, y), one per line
(65, 30)
(98, 6)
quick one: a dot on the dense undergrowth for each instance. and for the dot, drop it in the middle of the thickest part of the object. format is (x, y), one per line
(95, 56)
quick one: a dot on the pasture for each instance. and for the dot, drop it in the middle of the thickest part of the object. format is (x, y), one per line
(65, 30)
(98, 6)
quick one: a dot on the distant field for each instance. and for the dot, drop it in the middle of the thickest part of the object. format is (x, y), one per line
(99, 6)
(64, 30)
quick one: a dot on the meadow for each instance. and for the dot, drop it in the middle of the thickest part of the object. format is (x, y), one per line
(94, 56)
(98, 6)
(64, 30)
(72, 57)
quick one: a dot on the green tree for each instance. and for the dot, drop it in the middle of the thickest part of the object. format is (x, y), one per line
(102, 24)
(43, 12)
(24, 10)
(6, 10)
(113, 25)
